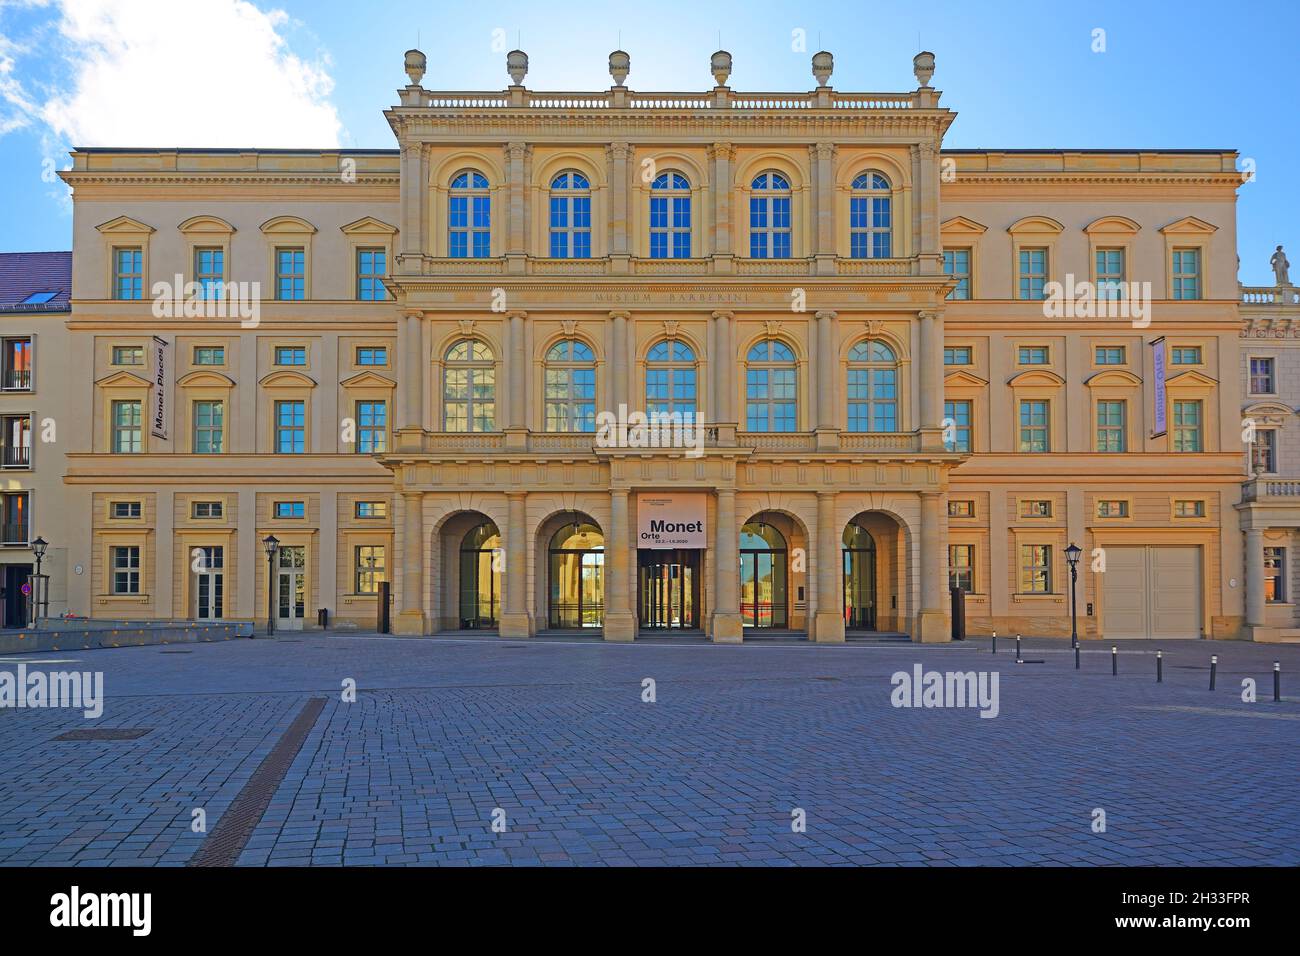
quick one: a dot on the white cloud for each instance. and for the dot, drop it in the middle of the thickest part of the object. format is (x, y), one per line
(210, 73)
(16, 107)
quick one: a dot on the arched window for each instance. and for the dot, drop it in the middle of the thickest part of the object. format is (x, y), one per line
(769, 217)
(873, 387)
(570, 387)
(570, 216)
(480, 577)
(771, 403)
(870, 217)
(469, 388)
(469, 216)
(670, 217)
(670, 379)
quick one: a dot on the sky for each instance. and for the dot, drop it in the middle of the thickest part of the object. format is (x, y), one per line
(316, 73)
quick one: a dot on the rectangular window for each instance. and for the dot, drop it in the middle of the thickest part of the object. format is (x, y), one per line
(957, 426)
(210, 271)
(1036, 508)
(1112, 508)
(1034, 428)
(372, 356)
(372, 265)
(372, 509)
(372, 417)
(957, 355)
(1275, 575)
(291, 509)
(1033, 355)
(128, 434)
(1033, 273)
(290, 273)
(1110, 274)
(1263, 451)
(17, 365)
(209, 355)
(126, 509)
(1035, 569)
(291, 355)
(126, 569)
(961, 567)
(16, 439)
(128, 354)
(290, 428)
(209, 421)
(207, 509)
(1261, 376)
(128, 273)
(1185, 355)
(1189, 508)
(1187, 273)
(1187, 426)
(961, 508)
(1111, 428)
(369, 568)
(956, 263)
(1110, 355)
(15, 507)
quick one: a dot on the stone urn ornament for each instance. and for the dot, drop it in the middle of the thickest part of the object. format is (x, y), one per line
(415, 64)
(823, 64)
(923, 67)
(620, 64)
(517, 66)
(720, 66)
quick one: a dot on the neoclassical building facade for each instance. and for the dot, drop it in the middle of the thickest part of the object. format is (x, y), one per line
(860, 323)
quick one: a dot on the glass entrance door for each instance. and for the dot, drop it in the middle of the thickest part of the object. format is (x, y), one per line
(668, 589)
(859, 579)
(577, 572)
(763, 594)
(209, 584)
(291, 587)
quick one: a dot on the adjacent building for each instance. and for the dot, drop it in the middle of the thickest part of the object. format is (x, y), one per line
(437, 377)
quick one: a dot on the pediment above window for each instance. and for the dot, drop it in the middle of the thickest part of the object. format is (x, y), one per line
(287, 379)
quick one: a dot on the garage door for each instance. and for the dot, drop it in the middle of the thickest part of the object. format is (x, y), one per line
(1151, 591)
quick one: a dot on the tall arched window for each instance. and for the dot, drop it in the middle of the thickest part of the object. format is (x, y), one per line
(763, 575)
(570, 216)
(670, 379)
(873, 387)
(570, 387)
(469, 388)
(870, 217)
(670, 217)
(577, 571)
(480, 577)
(769, 217)
(469, 216)
(771, 382)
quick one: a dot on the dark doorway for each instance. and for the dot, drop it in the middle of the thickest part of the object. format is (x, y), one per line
(15, 601)
(668, 589)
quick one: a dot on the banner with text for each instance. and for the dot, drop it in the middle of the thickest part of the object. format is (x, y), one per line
(161, 369)
(673, 520)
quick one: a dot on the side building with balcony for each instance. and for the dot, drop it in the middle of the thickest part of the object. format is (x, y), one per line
(35, 300)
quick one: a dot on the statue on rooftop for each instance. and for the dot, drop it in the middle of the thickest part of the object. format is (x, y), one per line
(1280, 267)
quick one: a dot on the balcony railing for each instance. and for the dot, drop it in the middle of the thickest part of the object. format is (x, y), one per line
(17, 380)
(717, 100)
(16, 456)
(1259, 489)
(1269, 295)
(699, 266)
(15, 534)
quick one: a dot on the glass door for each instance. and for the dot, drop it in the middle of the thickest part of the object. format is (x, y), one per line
(859, 579)
(668, 589)
(291, 587)
(209, 584)
(763, 592)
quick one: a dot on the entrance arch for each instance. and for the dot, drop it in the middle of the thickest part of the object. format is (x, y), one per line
(764, 574)
(859, 556)
(874, 550)
(575, 566)
(481, 560)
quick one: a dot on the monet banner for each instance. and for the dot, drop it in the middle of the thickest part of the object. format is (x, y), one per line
(160, 406)
(1158, 363)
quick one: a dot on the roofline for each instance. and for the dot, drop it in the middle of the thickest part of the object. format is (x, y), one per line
(234, 150)
(1122, 151)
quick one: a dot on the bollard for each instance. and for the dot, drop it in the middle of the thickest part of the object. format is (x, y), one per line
(1076, 657)
(1018, 654)
(1214, 665)
(1277, 681)
(1160, 667)
(995, 642)
(1114, 661)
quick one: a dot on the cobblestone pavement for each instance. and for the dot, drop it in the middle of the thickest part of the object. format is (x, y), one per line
(555, 735)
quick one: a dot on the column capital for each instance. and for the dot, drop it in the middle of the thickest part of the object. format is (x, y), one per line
(619, 150)
(517, 150)
(413, 313)
(822, 150)
(929, 314)
(718, 151)
(516, 314)
(826, 314)
(514, 493)
(620, 314)
(723, 314)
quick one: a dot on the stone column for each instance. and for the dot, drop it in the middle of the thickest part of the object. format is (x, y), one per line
(518, 377)
(412, 190)
(516, 238)
(620, 625)
(721, 156)
(516, 621)
(930, 374)
(619, 248)
(823, 163)
(412, 371)
(727, 628)
(931, 624)
(724, 366)
(620, 374)
(825, 377)
(828, 624)
(411, 618)
(1255, 603)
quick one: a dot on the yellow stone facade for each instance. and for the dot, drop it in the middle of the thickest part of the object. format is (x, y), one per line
(914, 479)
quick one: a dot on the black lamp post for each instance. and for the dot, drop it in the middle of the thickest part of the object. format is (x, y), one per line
(272, 544)
(38, 549)
(1072, 556)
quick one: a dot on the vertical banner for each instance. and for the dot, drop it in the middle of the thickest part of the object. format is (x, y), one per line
(160, 405)
(1161, 411)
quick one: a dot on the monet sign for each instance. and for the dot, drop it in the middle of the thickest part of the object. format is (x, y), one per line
(670, 520)
(161, 373)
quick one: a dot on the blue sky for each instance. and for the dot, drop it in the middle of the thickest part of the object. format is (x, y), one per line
(1191, 74)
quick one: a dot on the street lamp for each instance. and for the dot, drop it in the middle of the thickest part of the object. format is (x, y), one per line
(38, 549)
(1072, 554)
(272, 544)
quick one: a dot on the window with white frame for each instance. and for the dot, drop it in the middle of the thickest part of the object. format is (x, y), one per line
(769, 217)
(870, 217)
(670, 217)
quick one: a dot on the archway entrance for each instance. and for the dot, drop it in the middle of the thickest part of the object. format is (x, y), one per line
(859, 578)
(480, 577)
(764, 590)
(668, 592)
(576, 579)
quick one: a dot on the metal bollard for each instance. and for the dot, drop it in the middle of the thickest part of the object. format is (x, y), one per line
(1114, 661)
(1018, 655)
(995, 642)
(1076, 657)
(1277, 681)
(1160, 667)
(1214, 666)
